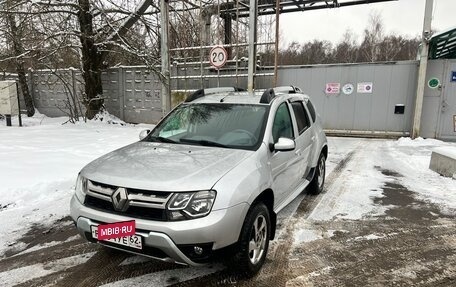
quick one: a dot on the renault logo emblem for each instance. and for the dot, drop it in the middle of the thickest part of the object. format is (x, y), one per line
(120, 199)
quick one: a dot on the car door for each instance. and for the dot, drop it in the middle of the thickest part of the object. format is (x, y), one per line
(304, 138)
(284, 169)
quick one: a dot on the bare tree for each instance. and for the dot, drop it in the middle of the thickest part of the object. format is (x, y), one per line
(373, 36)
(346, 51)
(85, 33)
(14, 26)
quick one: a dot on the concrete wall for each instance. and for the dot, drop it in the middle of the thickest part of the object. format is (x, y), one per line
(134, 93)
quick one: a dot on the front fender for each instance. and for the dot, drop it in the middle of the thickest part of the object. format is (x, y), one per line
(244, 182)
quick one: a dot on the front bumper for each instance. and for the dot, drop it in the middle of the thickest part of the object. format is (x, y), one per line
(162, 239)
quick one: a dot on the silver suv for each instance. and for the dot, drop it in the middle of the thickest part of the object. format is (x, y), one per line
(210, 177)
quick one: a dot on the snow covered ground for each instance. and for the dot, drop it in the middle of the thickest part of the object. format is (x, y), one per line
(39, 164)
(351, 196)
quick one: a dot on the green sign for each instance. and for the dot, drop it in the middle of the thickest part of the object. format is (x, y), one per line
(433, 83)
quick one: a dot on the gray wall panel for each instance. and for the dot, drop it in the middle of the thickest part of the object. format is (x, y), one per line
(134, 93)
(393, 83)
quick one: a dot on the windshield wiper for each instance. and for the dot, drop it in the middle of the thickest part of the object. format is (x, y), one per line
(162, 140)
(203, 142)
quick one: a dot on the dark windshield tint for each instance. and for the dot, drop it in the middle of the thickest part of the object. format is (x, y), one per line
(282, 127)
(220, 125)
(301, 116)
(311, 109)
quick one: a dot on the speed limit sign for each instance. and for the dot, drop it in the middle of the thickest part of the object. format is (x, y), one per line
(218, 57)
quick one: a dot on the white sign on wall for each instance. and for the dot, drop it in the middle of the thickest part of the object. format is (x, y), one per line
(8, 98)
(332, 88)
(365, 88)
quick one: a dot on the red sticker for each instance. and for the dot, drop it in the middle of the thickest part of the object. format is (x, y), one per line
(117, 229)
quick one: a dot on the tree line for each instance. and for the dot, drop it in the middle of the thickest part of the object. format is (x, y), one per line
(374, 46)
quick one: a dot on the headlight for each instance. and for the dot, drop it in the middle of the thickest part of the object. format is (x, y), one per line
(81, 187)
(190, 205)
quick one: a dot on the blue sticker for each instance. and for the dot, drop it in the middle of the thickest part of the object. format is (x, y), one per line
(453, 76)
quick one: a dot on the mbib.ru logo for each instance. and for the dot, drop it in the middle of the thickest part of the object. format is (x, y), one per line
(115, 230)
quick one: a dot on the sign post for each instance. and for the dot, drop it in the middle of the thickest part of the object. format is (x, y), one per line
(422, 69)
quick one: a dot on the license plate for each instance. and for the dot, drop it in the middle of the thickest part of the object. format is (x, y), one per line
(133, 241)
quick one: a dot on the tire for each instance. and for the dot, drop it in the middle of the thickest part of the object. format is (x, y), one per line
(253, 249)
(318, 181)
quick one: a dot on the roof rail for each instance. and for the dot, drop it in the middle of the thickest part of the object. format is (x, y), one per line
(287, 89)
(267, 96)
(211, 91)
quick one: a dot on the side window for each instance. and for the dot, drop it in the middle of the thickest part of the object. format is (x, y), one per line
(301, 116)
(311, 109)
(282, 127)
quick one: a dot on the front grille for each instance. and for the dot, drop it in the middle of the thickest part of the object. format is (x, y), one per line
(132, 211)
(143, 204)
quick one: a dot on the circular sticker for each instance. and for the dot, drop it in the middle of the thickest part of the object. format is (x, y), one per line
(433, 83)
(348, 89)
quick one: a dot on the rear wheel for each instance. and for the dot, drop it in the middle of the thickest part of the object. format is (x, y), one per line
(254, 241)
(318, 181)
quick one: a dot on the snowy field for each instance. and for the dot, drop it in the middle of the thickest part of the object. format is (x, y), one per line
(39, 164)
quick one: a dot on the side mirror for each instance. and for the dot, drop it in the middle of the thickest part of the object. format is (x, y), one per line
(284, 144)
(143, 134)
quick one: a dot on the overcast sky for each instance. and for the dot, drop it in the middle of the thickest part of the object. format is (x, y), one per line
(403, 17)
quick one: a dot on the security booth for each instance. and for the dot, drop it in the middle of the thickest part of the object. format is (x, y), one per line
(439, 105)
(9, 101)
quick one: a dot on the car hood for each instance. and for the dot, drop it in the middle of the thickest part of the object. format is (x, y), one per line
(164, 167)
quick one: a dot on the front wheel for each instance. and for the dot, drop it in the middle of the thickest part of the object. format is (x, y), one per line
(318, 181)
(254, 241)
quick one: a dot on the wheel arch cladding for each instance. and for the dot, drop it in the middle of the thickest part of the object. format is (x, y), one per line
(324, 151)
(267, 198)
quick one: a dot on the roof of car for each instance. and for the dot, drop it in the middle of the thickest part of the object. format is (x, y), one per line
(242, 97)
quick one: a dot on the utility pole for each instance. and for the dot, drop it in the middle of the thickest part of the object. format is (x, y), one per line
(423, 68)
(253, 12)
(276, 51)
(166, 93)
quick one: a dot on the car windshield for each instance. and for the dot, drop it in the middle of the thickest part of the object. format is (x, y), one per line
(220, 125)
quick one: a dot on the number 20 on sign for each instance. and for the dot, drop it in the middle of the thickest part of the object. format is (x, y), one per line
(218, 57)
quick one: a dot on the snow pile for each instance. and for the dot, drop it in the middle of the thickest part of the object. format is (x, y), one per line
(39, 164)
(418, 142)
(411, 159)
(106, 117)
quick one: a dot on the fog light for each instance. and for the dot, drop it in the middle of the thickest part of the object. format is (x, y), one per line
(198, 250)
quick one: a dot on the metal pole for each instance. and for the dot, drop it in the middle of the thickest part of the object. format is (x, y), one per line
(18, 105)
(8, 120)
(276, 51)
(252, 48)
(166, 95)
(423, 68)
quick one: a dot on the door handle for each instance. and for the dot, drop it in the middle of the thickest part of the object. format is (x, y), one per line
(298, 152)
(313, 138)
